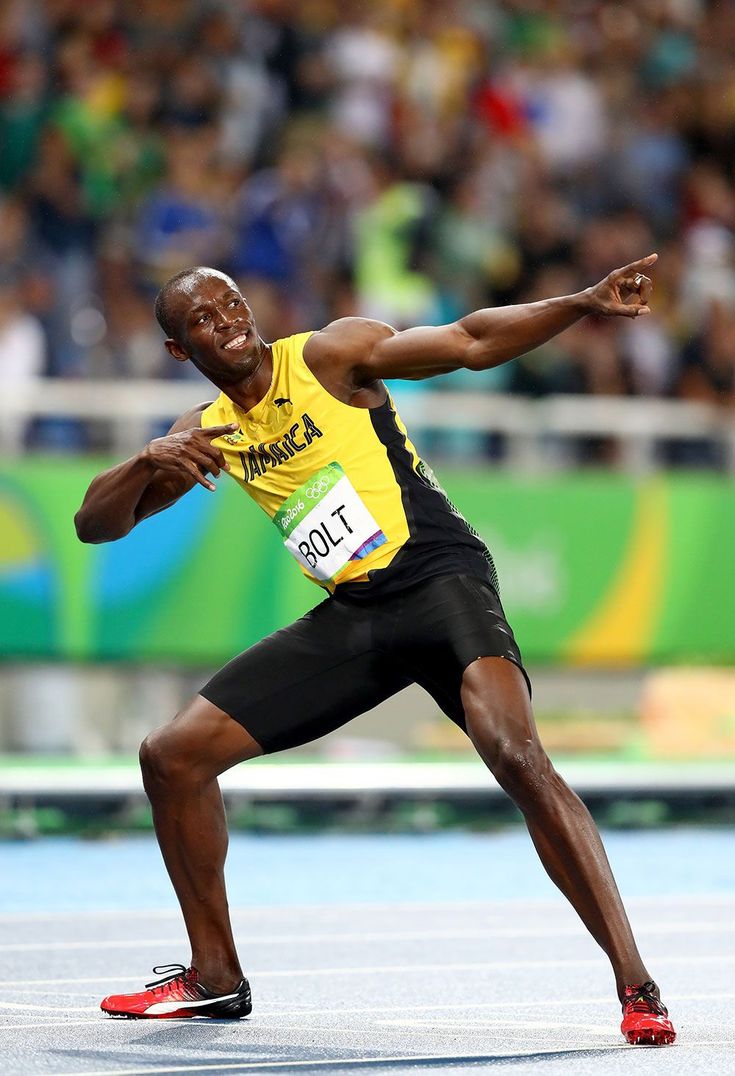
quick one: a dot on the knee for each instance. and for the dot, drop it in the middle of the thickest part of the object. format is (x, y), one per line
(522, 769)
(162, 761)
(193, 749)
(520, 765)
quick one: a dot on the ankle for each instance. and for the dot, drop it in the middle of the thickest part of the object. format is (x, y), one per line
(637, 979)
(218, 978)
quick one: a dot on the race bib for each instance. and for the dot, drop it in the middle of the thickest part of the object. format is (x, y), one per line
(325, 524)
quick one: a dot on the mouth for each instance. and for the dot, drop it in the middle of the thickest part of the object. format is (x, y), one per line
(235, 343)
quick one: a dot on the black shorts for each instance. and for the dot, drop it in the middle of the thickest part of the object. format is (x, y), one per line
(342, 659)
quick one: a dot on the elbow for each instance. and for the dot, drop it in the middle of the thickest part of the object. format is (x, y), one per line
(91, 532)
(477, 357)
(482, 355)
(85, 531)
(477, 352)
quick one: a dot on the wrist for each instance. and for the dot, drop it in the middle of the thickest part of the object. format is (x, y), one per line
(145, 460)
(583, 302)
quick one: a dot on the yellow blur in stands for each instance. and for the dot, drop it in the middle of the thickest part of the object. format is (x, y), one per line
(689, 713)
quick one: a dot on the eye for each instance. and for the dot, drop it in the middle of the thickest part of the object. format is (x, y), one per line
(234, 302)
(202, 318)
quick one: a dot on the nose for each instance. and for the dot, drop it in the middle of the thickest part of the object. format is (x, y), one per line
(224, 318)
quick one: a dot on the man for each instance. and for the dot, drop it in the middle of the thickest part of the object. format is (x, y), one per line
(307, 428)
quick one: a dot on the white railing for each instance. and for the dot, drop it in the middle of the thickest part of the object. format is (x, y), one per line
(538, 433)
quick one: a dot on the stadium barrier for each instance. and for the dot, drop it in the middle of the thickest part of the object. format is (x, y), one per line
(538, 434)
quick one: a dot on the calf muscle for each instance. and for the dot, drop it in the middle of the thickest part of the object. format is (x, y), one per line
(501, 726)
(180, 763)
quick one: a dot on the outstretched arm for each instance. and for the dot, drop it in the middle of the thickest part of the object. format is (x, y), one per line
(166, 469)
(488, 338)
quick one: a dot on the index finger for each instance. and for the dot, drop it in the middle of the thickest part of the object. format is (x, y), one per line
(217, 431)
(197, 475)
(640, 265)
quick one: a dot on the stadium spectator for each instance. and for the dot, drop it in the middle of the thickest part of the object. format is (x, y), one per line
(22, 341)
(403, 160)
(22, 350)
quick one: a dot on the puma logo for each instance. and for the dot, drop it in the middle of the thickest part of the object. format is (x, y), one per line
(281, 401)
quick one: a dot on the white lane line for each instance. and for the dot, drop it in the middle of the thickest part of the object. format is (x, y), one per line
(391, 1026)
(54, 947)
(430, 1027)
(56, 1023)
(492, 965)
(351, 907)
(27, 1007)
(338, 908)
(610, 1001)
(437, 1007)
(572, 930)
(14, 992)
(398, 1027)
(392, 969)
(440, 1008)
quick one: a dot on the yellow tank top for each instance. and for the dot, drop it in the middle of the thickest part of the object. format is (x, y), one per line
(344, 486)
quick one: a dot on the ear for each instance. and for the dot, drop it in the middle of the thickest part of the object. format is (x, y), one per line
(176, 350)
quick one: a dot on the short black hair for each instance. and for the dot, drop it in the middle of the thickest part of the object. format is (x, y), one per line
(162, 305)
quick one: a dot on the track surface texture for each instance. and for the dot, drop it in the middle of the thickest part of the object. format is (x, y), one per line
(445, 953)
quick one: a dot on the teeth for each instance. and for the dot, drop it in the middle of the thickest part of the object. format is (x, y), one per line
(236, 341)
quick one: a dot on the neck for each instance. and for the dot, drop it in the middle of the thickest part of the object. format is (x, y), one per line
(250, 390)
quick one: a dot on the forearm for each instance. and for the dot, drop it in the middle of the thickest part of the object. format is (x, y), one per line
(488, 338)
(108, 510)
(502, 333)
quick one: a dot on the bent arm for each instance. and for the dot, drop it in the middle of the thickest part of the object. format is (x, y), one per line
(487, 338)
(121, 497)
(124, 495)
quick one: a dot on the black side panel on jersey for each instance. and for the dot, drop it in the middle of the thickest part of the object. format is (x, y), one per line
(441, 540)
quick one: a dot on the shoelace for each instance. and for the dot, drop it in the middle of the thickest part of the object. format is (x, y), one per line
(170, 972)
(643, 999)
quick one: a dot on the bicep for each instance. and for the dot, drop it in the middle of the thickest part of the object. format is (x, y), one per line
(418, 353)
(190, 420)
(368, 351)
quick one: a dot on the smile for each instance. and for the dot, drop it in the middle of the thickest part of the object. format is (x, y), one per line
(237, 341)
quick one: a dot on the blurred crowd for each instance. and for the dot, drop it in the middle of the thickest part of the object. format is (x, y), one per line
(408, 160)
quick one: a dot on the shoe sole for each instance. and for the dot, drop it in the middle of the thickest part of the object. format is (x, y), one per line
(651, 1038)
(225, 1012)
(181, 1014)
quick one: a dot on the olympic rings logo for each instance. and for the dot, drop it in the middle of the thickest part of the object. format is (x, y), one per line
(318, 488)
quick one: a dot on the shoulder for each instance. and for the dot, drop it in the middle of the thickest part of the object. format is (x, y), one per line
(349, 339)
(190, 419)
(348, 330)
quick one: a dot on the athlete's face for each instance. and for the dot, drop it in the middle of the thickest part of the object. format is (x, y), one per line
(215, 328)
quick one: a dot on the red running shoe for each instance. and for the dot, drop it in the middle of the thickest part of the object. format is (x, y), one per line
(179, 993)
(645, 1017)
